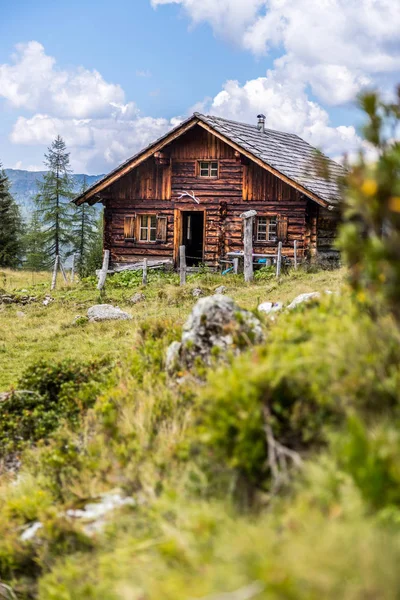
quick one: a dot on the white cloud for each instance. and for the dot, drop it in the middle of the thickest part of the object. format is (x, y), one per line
(35, 83)
(96, 145)
(143, 73)
(286, 107)
(336, 46)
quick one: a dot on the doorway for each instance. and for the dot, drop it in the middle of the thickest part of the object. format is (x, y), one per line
(193, 236)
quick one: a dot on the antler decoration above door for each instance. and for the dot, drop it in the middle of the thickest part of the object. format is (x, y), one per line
(190, 195)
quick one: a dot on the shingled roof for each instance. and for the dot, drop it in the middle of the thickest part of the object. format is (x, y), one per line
(284, 153)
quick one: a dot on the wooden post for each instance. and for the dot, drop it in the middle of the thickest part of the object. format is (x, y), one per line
(55, 269)
(144, 278)
(73, 269)
(63, 271)
(104, 270)
(182, 264)
(279, 260)
(235, 266)
(248, 217)
(295, 254)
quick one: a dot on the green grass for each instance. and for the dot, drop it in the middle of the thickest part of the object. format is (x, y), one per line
(48, 332)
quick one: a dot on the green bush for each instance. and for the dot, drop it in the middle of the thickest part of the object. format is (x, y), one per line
(47, 394)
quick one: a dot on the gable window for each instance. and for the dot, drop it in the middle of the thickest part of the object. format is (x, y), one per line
(208, 168)
(266, 229)
(148, 228)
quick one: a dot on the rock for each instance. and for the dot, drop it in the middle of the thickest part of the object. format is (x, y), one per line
(172, 357)
(215, 326)
(93, 514)
(107, 312)
(303, 298)
(197, 292)
(270, 307)
(220, 290)
(20, 314)
(31, 531)
(137, 298)
(47, 300)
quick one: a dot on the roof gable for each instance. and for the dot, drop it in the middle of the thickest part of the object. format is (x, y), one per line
(286, 155)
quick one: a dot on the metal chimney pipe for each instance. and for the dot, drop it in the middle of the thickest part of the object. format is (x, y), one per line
(261, 123)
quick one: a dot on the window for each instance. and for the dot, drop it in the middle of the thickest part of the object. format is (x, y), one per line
(148, 228)
(208, 168)
(266, 229)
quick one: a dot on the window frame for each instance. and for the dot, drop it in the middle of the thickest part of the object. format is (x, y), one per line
(148, 228)
(209, 169)
(271, 236)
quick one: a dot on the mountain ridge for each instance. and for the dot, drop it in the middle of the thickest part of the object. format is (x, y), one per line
(24, 186)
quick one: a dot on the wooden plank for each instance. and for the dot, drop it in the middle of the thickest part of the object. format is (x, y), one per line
(182, 265)
(104, 270)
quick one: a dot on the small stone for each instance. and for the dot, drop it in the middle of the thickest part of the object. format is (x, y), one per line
(137, 298)
(20, 314)
(270, 307)
(304, 298)
(47, 300)
(30, 533)
(107, 312)
(220, 290)
(172, 357)
(197, 292)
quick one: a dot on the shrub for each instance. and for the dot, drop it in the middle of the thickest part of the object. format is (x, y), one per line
(48, 394)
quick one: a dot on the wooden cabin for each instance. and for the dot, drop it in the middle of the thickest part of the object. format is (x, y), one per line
(191, 186)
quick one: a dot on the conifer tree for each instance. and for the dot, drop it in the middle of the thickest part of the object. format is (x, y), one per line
(11, 227)
(84, 232)
(35, 254)
(53, 200)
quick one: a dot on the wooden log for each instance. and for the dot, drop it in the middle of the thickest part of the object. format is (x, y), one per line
(279, 260)
(73, 268)
(54, 277)
(248, 217)
(144, 277)
(104, 270)
(63, 271)
(182, 264)
(295, 254)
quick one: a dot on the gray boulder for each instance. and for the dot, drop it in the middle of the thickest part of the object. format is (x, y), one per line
(107, 312)
(215, 325)
(270, 307)
(303, 298)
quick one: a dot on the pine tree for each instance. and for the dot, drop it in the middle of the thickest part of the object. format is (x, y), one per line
(84, 232)
(53, 201)
(11, 227)
(35, 254)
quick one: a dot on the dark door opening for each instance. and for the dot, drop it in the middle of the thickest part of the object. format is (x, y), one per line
(193, 236)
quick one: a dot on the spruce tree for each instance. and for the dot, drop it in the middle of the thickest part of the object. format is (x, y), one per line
(53, 201)
(84, 232)
(11, 227)
(35, 254)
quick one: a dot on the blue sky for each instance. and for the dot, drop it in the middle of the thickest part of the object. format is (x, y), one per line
(112, 76)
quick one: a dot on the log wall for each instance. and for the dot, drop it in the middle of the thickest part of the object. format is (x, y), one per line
(155, 186)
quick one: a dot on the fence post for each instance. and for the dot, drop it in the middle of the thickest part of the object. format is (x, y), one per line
(63, 271)
(144, 278)
(295, 254)
(104, 270)
(235, 266)
(279, 260)
(182, 264)
(73, 269)
(248, 218)
(54, 277)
